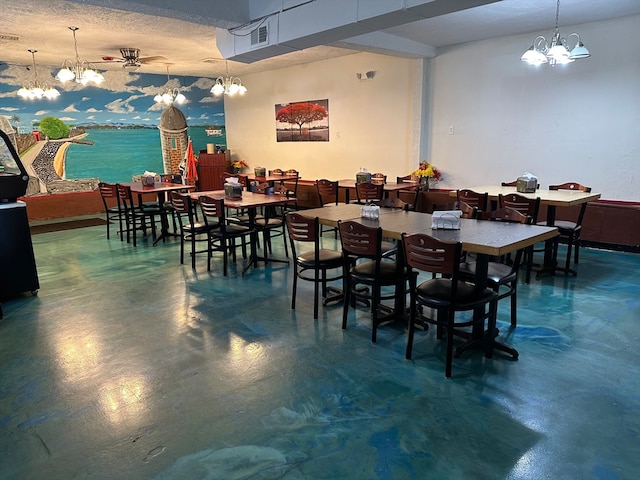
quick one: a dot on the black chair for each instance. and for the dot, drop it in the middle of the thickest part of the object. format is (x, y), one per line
(479, 201)
(368, 192)
(222, 235)
(529, 207)
(378, 178)
(568, 231)
(446, 294)
(271, 222)
(312, 264)
(502, 272)
(327, 195)
(363, 265)
(136, 217)
(112, 209)
(191, 229)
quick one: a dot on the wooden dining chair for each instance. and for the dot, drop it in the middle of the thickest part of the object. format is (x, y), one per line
(529, 207)
(569, 231)
(368, 192)
(136, 217)
(378, 178)
(502, 273)
(222, 235)
(363, 265)
(192, 231)
(312, 264)
(447, 293)
(111, 203)
(479, 201)
(327, 191)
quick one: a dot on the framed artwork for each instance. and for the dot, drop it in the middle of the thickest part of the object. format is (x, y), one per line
(303, 121)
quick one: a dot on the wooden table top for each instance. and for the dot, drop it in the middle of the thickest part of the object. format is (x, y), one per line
(477, 236)
(558, 198)
(137, 187)
(388, 187)
(248, 199)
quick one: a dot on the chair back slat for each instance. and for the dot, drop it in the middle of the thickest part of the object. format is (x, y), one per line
(327, 191)
(474, 199)
(394, 202)
(302, 229)
(524, 205)
(360, 240)
(429, 254)
(369, 192)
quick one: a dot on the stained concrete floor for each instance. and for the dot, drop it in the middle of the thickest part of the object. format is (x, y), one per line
(128, 365)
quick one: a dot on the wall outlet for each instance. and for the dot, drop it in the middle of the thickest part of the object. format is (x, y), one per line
(450, 129)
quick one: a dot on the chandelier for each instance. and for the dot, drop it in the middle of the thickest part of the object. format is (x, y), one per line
(228, 85)
(556, 52)
(34, 90)
(170, 95)
(81, 71)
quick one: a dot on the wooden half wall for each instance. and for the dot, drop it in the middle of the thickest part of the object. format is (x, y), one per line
(607, 223)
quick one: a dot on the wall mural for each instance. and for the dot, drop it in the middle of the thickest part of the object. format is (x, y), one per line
(120, 117)
(303, 121)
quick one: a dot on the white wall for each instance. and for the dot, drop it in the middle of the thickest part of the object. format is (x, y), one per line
(373, 124)
(579, 122)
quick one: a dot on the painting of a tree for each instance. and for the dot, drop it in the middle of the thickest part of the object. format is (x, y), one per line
(303, 121)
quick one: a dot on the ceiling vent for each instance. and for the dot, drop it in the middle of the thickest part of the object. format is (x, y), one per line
(259, 35)
(9, 36)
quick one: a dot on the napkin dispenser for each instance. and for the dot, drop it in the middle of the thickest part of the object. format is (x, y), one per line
(148, 179)
(526, 183)
(362, 177)
(232, 190)
(371, 212)
(446, 220)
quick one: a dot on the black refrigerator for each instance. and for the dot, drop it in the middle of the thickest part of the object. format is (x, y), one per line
(18, 272)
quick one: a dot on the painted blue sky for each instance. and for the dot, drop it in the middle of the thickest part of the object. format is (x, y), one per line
(125, 97)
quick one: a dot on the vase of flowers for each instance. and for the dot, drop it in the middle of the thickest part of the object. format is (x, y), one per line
(425, 173)
(238, 165)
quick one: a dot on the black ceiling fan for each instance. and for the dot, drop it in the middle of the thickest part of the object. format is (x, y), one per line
(131, 58)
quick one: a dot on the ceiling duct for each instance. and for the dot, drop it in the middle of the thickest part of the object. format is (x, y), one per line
(290, 30)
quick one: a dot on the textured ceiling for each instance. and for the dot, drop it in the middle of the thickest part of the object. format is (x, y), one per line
(188, 38)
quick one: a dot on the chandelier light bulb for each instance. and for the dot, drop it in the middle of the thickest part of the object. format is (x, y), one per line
(170, 96)
(82, 72)
(35, 90)
(557, 51)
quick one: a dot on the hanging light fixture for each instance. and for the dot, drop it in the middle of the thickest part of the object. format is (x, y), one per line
(81, 71)
(557, 51)
(35, 90)
(228, 85)
(170, 95)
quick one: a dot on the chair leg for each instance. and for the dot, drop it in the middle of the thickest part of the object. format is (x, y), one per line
(449, 359)
(294, 290)
(514, 302)
(347, 298)
(316, 288)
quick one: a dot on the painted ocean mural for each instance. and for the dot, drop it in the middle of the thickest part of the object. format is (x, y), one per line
(117, 154)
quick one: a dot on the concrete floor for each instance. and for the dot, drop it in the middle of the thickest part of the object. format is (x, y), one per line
(128, 365)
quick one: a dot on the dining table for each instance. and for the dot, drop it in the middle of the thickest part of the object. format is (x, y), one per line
(347, 185)
(160, 189)
(250, 201)
(549, 198)
(483, 238)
